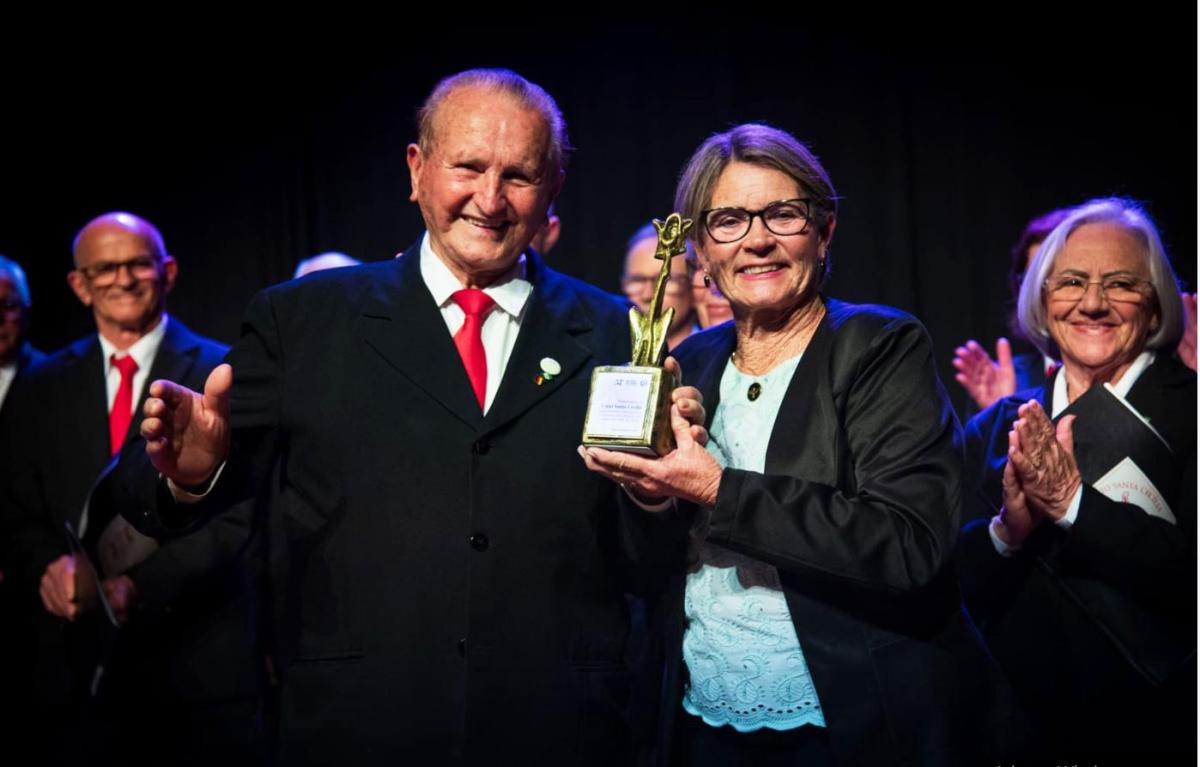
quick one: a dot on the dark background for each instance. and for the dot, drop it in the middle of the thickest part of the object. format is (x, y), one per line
(254, 149)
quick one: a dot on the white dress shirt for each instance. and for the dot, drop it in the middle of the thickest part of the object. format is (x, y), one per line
(142, 351)
(500, 326)
(7, 374)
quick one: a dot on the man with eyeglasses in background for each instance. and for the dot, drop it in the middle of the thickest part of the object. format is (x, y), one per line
(185, 657)
(16, 353)
(641, 275)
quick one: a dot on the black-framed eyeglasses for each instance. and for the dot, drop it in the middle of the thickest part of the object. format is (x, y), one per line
(783, 217)
(105, 272)
(1121, 288)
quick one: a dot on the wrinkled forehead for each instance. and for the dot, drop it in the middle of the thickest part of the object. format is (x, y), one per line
(474, 117)
(1103, 247)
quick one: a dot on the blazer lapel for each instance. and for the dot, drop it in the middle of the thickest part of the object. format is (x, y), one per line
(403, 325)
(90, 398)
(173, 361)
(555, 325)
(807, 398)
(710, 367)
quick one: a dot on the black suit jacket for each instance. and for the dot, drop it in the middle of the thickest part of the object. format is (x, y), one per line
(448, 586)
(192, 636)
(27, 355)
(857, 510)
(1096, 626)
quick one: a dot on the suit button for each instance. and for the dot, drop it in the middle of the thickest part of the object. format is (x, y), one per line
(462, 647)
(479, 542)
(482, 447)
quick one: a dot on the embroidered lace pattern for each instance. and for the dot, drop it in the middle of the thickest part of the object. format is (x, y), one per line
(746, 666)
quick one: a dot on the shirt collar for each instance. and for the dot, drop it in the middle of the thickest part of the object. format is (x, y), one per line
(142, 350)
(510, 292)
(1120, 388)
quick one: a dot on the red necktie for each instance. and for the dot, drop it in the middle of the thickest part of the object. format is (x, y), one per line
(122, 409)
(475, 304)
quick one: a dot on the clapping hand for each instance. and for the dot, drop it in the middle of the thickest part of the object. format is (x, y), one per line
(986, 381)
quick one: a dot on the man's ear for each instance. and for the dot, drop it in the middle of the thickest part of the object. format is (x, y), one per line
(170, 272)
(553, 229)
(416, 161)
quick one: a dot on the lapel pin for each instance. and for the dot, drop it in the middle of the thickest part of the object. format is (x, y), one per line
(550, 368)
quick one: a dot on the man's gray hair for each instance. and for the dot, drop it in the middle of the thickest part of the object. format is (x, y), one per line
(14, 273)
(1129, 215)
(508, 82)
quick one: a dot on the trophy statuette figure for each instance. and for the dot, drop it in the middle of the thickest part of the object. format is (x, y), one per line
(629, 407)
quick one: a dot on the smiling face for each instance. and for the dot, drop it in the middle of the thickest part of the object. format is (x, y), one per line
(1099, 338)
(129, 301)
(485, 184)
(763, 273)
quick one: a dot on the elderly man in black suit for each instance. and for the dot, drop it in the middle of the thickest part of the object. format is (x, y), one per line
(185, 656)
(451, 576)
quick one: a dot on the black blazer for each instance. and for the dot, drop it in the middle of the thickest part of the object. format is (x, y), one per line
(27, 355)
(1096, 626)
(857, 509)
(448, 587)
(193, 629)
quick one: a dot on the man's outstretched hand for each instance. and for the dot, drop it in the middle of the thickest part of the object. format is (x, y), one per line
(187, 433)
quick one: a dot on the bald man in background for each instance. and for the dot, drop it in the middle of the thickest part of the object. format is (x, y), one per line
(319, 263)
(184, 666)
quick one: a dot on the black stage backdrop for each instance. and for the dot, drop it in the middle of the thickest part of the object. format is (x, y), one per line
(943, 136)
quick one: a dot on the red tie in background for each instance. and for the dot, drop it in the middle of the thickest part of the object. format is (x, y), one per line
(475, 304)
(122, 409)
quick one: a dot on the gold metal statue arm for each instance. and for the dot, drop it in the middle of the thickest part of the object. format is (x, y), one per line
(649, 330)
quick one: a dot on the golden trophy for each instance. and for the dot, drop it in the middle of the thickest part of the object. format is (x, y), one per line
(629, 407)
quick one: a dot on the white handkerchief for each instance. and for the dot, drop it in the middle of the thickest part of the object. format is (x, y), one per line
(1126, 483)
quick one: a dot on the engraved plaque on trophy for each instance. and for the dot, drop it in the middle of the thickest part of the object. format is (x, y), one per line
(630, 405)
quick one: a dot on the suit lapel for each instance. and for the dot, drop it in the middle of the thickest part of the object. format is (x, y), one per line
(89, 398)
(806, 399)
(403, 325)
(710, 367)
(1162, 394)
(173, 361)
(555, 325)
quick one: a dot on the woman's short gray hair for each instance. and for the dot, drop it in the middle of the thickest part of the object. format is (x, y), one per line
(1031, 308)
(756, 144)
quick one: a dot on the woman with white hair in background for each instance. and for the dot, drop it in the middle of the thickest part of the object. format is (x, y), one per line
(1079, 563)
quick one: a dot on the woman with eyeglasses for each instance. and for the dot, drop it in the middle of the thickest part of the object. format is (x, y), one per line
(1080, 562)
(818, 620)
